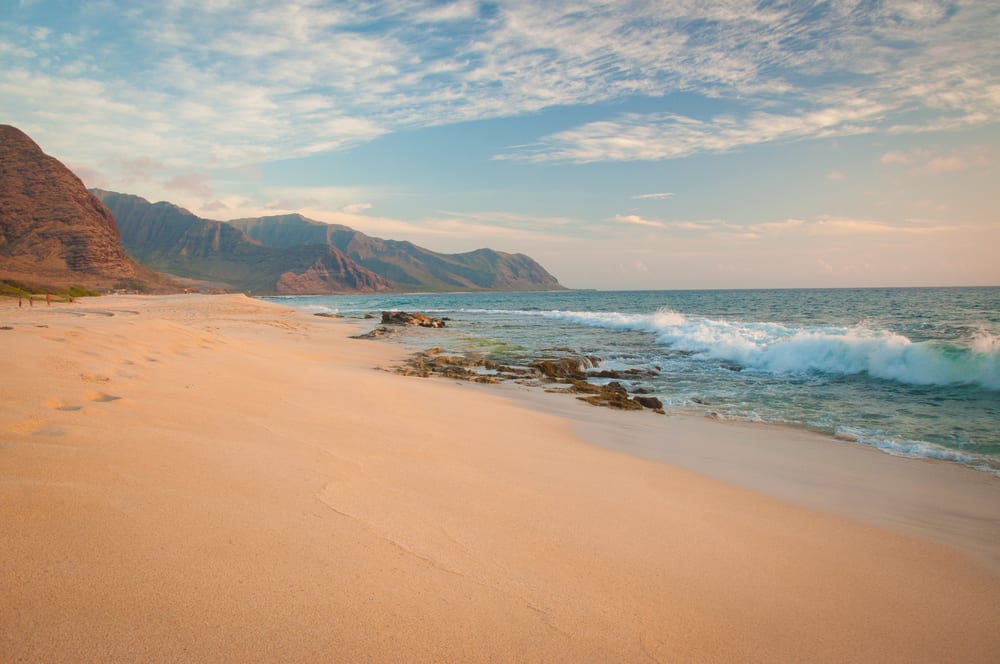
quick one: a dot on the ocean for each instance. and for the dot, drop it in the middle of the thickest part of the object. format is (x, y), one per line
(911, 371)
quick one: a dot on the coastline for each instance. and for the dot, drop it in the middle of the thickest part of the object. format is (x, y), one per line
(219, 478)
(941, 500)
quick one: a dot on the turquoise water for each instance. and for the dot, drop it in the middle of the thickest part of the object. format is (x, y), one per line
(912, 371)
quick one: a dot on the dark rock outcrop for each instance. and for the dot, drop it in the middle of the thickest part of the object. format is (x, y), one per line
(405, 318)
(562, 375)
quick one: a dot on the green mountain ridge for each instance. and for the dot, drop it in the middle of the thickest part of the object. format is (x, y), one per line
(291, 254)
(407, 265)
(171, 239)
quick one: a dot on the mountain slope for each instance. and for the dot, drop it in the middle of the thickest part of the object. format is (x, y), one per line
(409, 266)
(170, 238)
(52, 229)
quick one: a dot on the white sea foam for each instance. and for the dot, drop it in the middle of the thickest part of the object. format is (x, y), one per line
(320, 309)
(916, 449)
(782, 349)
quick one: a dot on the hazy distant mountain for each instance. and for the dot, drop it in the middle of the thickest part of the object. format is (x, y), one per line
(171, 239)
(52, 230)
(405, 264)
(292, 254)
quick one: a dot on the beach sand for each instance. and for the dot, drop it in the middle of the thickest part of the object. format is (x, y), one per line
(196, 478)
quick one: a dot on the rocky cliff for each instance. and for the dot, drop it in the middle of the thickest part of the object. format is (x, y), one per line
(172, 239)
(407, 265)
(292, 254)
(52, 230)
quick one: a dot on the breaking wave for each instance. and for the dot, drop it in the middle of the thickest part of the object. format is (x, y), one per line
(786, 350)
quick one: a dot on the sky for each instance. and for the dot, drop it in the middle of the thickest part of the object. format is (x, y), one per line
(624, 145)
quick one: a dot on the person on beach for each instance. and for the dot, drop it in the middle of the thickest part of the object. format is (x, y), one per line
(48, 299)
(20, 302)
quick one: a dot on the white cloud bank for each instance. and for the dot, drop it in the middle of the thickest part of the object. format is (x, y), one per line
(236, 82)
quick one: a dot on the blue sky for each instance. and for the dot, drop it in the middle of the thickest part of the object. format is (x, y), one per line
(686, 144)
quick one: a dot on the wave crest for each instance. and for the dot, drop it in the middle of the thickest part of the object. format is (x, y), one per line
(783, 349)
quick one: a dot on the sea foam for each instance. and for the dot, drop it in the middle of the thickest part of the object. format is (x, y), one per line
(783, 349)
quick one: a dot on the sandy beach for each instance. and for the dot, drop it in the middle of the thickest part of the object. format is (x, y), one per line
(216, 478)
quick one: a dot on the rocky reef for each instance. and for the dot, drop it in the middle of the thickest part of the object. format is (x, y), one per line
(559, 370)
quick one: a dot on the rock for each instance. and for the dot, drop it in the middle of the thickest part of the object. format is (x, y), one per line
(616, 387)
(559, 369)
(377, 333)
(649, 402)
(612, 400)
(626, 374)
(585, 387)
(53, 230)
(567, 372)
(415, 319)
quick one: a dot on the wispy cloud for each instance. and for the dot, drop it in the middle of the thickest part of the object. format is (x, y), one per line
(636, 220)
(821, 225)
(933, 161)
(513, 220)
(663, 195)
(657, 136)
(356, 208)
(235, 82)
(195, 184)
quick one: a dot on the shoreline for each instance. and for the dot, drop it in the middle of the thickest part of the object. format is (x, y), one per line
(220, 478)
(787, 461)
(942, 500)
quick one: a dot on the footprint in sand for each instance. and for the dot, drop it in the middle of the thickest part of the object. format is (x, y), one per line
(100, 397)
(56, 404)
(37, 428)
(124, 372)
(88, 377)
(48, 429)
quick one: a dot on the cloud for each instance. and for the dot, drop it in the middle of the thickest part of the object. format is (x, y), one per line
(636, 220)
(238, 82)
(821, 225)
(932, 161)
(946, 165)
(355, 208)
(830, 225)
(513, 220)
(195, 184)
(653, 196)
(836, 176)
(895, 157)
(658, 136)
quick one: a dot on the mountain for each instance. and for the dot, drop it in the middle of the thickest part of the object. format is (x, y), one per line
(408, 266)
(291, 254)
(172, 239)
(52, 230)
